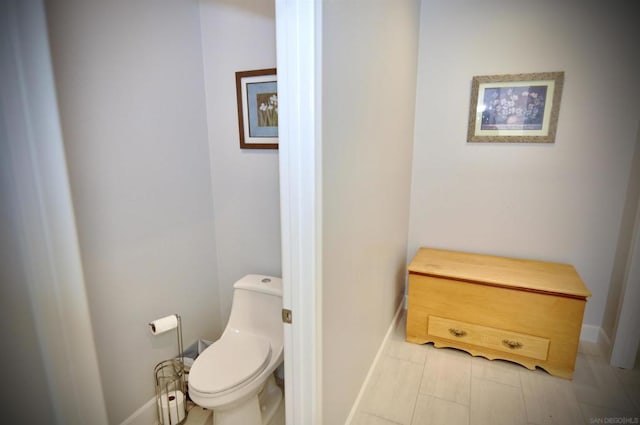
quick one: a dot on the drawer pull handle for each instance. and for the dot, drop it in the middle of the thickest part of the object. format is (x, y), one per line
(512, 344)
(457, 332)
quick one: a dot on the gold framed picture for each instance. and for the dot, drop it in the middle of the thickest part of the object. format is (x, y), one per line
(517, 108)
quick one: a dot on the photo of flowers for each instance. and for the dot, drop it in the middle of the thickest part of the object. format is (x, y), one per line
(520, 108)
(257, 97)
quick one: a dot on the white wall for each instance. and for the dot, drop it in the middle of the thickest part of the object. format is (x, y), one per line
(51, 367)
(239, 36)
(559, 202)
(17, 322)
(131, 95)
(369, 58)
(17, 325)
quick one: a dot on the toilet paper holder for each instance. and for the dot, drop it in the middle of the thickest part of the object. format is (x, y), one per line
(170, 393)
(169, 376)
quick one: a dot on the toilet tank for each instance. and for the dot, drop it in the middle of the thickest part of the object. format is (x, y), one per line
(257, 307)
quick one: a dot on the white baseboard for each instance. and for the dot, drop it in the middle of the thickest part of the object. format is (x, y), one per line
(145, 415)
(590, 333)
(392, 326)
(596, 334)
(605, 343)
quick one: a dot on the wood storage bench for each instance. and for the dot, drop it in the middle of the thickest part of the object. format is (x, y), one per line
(528, 312)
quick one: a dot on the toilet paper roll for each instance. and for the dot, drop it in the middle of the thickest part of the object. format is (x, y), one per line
(164, 324)
(171, 407)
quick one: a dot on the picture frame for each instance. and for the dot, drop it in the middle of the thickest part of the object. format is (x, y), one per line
(257, 98)
(515, 108)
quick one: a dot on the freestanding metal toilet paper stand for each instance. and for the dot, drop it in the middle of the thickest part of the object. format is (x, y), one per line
(170, 385)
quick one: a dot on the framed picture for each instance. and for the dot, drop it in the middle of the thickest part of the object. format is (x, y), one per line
(257, 94)
(521, 108)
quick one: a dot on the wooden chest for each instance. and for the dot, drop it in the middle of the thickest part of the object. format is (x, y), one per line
(528, 312)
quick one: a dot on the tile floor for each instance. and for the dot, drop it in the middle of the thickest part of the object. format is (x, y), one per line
(197, 415)
(421, 385)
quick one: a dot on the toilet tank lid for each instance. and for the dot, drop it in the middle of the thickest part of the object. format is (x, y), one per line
(260, 283)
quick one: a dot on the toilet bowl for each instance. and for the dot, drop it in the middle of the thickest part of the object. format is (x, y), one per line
(234, 375)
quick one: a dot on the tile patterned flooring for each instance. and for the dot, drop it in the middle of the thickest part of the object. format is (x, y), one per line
(421, 385)
(197, 415)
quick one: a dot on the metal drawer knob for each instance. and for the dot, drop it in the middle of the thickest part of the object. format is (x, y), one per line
(457, 332)
(511, 344)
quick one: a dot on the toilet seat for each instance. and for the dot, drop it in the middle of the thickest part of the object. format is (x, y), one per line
(234, 359)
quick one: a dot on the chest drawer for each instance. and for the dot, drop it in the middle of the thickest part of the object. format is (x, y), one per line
(483, 336)
(525, 311)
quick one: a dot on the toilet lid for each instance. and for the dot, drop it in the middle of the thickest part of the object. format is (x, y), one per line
(230, 361)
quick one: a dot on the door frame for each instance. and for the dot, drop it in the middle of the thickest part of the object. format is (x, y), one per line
(298, 24)
(627, 333)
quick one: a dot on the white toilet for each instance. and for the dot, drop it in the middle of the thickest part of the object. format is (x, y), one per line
(234, 375)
